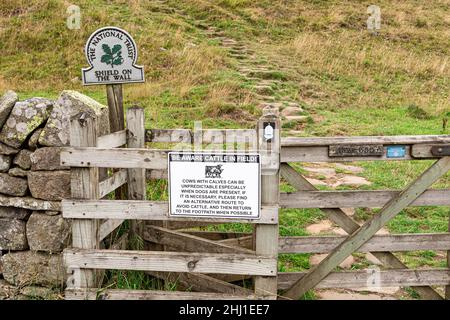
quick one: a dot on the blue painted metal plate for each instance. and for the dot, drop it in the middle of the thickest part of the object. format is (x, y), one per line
(395, 151)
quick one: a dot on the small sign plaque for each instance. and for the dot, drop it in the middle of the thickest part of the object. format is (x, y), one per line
(112, 55)
(269, 129)
(354, 150)
(214, 185)
(395, 151)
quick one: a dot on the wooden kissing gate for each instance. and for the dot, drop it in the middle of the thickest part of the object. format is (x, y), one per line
(207, 262)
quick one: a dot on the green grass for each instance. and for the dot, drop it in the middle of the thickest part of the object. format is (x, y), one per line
(346, 81)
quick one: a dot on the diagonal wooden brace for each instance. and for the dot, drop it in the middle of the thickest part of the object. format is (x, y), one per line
(350, 226)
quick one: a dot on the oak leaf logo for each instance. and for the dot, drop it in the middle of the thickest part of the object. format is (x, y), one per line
(112, 57)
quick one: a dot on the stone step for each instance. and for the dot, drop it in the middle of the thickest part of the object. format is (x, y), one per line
(239, 56)
(265, 74)
(264, 98)
(290, 111)
(296, 118)
(264, 90)
(294, 133)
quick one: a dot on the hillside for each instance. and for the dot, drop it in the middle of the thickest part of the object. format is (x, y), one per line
(329, 63)
(222, 61)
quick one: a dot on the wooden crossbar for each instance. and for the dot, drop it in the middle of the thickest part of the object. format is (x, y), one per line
(200, 283)
(364, 278)
(114, 158)
(385, 140)
(357, 199)
(378, 243)
(113, 140)
(118, 179)
(357, 239)
(225, 263)
(188, 243)
(205, 136)
(117, 294)
(146, 210)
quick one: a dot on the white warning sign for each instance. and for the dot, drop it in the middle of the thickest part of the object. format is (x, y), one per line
(214, 185)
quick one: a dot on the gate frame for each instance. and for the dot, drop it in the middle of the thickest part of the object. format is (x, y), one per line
(88, 152)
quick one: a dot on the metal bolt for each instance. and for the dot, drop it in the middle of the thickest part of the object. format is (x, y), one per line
(191, 264)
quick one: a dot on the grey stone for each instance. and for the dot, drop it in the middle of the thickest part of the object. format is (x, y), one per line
(12, 186)
(7, 102)
(56, 131)
(22, 159)
(47, 233)
(47, 158)
(5, 163)
(39, 293)
(49, 185)
(25, 117)
(34, 138)
(290, 111)
(50, 213)
(12, 234)
(33, 268)
(7, 291)
(14, 213)
(7, 150)
(18, 172)
(29, 203)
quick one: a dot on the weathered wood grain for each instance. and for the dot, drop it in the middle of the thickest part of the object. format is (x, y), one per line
(114, 158)
(217, 235)
(207, 136)
(378, 243)
(320, 154)
(172, 261)
(118, 179)
(200, 283)
(358, 199)
(266, 236)
(361, 278)
(147, 210)
(425, 150)
(385, 140)
(188, 243)
(117, 294)
(84, 184)
(244, 242)
(112, 140)
(108, 226)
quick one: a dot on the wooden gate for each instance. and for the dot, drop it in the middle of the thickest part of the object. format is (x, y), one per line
(363, 238)
(200, 263)
(208, 262)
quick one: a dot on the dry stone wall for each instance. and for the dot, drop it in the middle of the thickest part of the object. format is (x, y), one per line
(32, 184)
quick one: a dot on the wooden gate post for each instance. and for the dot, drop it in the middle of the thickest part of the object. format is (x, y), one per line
(114, 95)
(84, 184)
(447, 288)
(266, 236)
(136, 177)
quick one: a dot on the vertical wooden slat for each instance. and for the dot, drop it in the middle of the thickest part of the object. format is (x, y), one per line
(266, 236)
(84, 185)
(136, 139)
(114, 95)
(447, 288)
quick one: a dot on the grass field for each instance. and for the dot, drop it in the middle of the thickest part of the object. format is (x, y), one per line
(347, 80)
